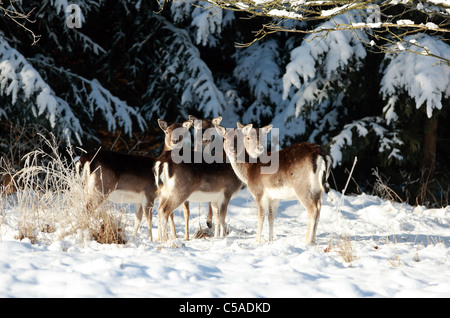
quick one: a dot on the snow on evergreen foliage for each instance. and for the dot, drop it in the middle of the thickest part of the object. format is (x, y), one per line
(113, 109)
(316, 81)
(257, 66)
(187, 74)
(316, 63)
(169, 64)
(72, 38)
(206, 20)
(388, 140)
(21, 81)
(422, 77)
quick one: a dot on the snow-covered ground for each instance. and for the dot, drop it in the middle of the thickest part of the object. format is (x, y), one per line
(396, 251)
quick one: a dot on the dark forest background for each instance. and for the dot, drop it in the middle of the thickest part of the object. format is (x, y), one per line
(132, 62)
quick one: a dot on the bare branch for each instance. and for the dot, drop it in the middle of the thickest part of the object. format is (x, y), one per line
(391, 24)
(19, 18)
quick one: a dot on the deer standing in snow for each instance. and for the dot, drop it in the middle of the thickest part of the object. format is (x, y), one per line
(120, 178)
(200, 127)
(302, 173)
(181, 181)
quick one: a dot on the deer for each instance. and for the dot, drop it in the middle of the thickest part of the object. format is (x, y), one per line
(301, 175)
(200, 126)
(120, 178)
(180, 181)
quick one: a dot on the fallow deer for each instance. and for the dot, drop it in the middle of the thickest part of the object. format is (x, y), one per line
(201, 140)
(180, 181)
(200, 127)
(173, 141)
(120, 178)
(302, 173)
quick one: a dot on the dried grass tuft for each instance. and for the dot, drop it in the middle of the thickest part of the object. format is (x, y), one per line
(50, 197)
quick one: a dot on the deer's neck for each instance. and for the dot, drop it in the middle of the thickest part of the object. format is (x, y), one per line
(240, 169)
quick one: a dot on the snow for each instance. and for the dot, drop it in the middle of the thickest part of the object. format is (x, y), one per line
(284, 13)
(206, 20)
(398, 251)
(405, 22)
(256, 66)
(431, 25)
(18, 76)
(314, 68)
(423, 78)
(336, 10)
(387, 139)
(192, 77)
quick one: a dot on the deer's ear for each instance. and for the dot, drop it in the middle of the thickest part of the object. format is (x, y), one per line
(221, 130)
(239, 125)
(265, 130)
(246, 129)
(187, 124)
(216, 121)
(162, 124)
(192, 117)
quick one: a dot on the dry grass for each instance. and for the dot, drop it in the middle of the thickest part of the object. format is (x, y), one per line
(203, 233)
(346, 249)
(343, 247)
(382, 189)
(395, 261)
(50, 198)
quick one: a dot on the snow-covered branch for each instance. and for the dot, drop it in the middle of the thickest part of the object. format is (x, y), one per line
(19, 79)
(388, 140)
(383, 20)
(188, 77)
(428, 82)
(115, 111)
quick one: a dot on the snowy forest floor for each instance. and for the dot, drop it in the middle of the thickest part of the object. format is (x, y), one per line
(366, 247)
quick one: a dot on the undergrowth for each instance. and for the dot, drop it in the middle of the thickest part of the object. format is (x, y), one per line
(49, 197)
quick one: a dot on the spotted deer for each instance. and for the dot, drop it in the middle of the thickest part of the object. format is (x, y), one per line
(120, 178)
(179, 182)
(174, 141)
(200, 127)
(302, 173)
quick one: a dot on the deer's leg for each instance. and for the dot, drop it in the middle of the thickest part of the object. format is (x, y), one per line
(172, 225)
(148, 216)
(314, 219)
(261, 215)
(215, 210)
(186, 212)
(273, 207)
(137, 217)
(210, 216)
(222, 213)
(163, 216)
(312, 204)
(164, 219)
(166, 209)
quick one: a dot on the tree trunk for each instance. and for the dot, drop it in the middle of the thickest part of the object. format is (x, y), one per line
(430, 141)
(429, 157)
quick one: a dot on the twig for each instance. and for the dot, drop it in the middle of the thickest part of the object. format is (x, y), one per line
(338, 207)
